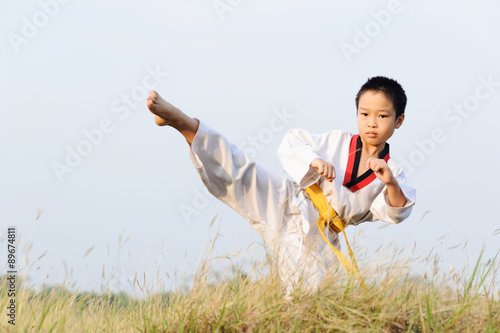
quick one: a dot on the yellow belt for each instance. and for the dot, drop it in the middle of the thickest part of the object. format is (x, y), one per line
(328, 216)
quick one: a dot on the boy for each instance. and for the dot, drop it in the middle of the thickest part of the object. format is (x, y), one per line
(354, 172)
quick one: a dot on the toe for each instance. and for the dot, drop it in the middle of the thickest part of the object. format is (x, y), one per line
(150, 103)
(153, 95)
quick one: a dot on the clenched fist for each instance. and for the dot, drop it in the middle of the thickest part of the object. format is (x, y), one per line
(323, 168)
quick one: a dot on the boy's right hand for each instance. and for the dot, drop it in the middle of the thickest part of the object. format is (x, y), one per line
(323, 168)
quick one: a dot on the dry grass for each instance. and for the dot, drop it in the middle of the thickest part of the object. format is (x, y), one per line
(394, 301)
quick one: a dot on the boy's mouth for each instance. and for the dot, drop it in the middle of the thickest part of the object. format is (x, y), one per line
(371, 134)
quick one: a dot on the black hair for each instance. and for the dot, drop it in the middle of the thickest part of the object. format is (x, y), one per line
(391, 88)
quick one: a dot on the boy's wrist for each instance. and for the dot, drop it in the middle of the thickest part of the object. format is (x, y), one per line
(393, 182)
(395, 194)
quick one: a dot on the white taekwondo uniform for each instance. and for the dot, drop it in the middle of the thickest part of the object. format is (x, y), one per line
(280, 210)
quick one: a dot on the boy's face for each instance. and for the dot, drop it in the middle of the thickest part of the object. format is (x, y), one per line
(376, 118)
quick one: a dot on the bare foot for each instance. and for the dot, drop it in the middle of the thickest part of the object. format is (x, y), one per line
(167, 114)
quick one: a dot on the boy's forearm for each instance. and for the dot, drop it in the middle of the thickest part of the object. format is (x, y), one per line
(395, 195)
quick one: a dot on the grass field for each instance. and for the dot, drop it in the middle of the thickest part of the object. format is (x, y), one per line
(393, 301)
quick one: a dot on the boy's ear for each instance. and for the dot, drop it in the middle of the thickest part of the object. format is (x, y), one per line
(400, 120)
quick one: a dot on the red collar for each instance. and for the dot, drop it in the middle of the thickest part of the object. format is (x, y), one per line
(351, 179)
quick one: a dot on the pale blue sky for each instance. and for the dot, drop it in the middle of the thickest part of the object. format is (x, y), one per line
(235, 70)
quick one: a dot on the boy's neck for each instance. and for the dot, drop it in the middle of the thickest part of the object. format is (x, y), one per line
(371, 150)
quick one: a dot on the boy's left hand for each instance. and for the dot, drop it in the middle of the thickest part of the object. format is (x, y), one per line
(381, 170)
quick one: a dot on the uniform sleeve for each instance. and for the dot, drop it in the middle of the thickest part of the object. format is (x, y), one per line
(380, 207)
(296, 152)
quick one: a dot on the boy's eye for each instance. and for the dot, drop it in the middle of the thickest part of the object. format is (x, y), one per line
(364, 113)
(383, 116)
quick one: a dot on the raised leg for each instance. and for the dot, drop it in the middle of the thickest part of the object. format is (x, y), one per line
(268, 201)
